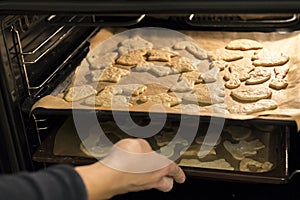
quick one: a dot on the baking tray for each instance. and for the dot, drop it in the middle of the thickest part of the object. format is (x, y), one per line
(63, 146)
(288, 105)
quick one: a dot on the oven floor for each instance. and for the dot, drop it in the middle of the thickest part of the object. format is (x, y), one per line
(208, 190)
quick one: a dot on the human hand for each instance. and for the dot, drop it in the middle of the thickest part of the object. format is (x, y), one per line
(131, 166)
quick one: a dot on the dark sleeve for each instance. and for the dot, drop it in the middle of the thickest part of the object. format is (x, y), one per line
(56, 182)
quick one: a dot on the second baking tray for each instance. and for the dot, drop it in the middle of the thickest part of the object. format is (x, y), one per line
(63, 145)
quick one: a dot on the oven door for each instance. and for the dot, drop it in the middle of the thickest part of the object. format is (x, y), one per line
(188, 7)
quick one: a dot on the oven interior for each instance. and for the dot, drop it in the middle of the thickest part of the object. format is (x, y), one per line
(43, 50)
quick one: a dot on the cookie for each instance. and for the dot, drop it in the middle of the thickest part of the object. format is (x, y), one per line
(251, 93)
(134, 43)
(251, 165)
(132, 58)
(180, 65)
(192, 47)
(192, 76)
(108, 100)
(182, 85)
(269, 58)
(243, 148)
(206, 94)
(244, 45)
(159, 55)
(225, 55)
(102, 61)
(215, 164)
(278, 83)
(112, 74)
(77, 93)
(258, 76)
(259, 106)
(162, 98)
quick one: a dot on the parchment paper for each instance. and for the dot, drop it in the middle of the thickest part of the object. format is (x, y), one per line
(288, 99)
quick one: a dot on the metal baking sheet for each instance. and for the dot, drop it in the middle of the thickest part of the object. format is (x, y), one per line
(65, 147)
(288, 109)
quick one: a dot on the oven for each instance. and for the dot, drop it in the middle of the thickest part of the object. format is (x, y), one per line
(44, 43)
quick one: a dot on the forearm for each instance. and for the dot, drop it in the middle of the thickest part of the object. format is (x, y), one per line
(99, 181)
(57, 182)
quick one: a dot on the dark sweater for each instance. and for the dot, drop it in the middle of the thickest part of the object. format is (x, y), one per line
(54, 183)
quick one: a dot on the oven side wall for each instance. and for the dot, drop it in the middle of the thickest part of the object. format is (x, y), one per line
(14, 154)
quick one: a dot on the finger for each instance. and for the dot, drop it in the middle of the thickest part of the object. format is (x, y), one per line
(177, 173)
(136, 145)
(165, 184)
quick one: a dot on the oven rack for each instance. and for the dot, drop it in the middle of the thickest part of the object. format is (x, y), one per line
(33, 43)
(37, 37)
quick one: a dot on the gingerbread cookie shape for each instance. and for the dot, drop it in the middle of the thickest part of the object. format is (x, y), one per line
(251, 165)
(249, 94)
(132, 58)
(243, 148)
(269, 58)
(180, 65)
(206, 94)
(192, 76)
(110, 74)
(244, 44)
(182, 85)
(225, 55)
(102, 61)
(134, 43)
(258, 76)
(76, 93)
(259, 106)
(279, 82)
(162, 98)
(192, 48)
(159, 55)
